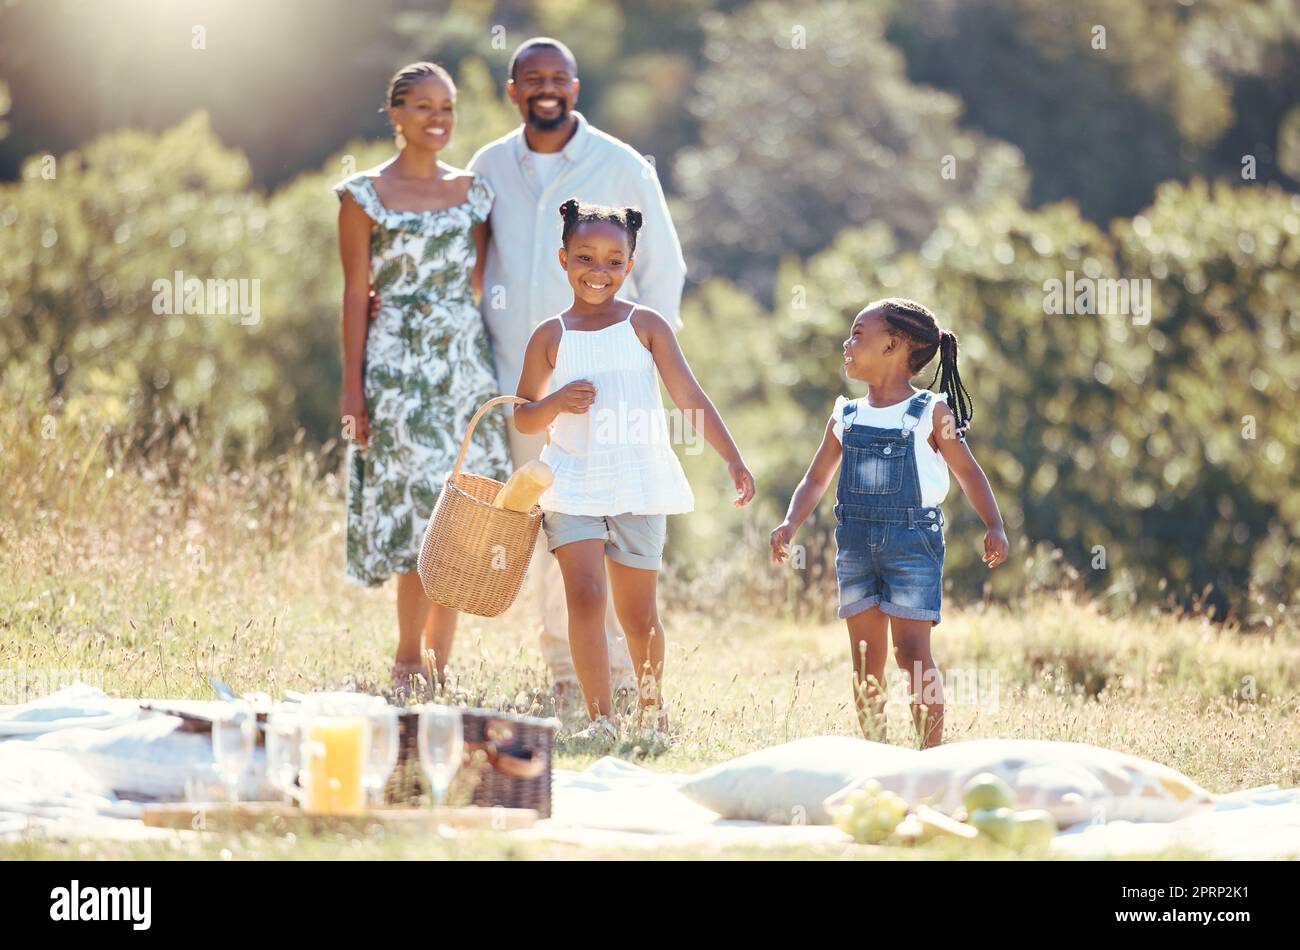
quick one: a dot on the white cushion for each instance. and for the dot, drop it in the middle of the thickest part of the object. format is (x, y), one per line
(1072, 780)
(788, 783)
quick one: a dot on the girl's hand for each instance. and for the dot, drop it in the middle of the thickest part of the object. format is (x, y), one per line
(743, 481)
(996, 547)
(782, 535)
(356, 418)
(577, 396)
(373, 303)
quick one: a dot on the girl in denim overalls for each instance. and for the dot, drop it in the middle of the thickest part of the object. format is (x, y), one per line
(896, 446)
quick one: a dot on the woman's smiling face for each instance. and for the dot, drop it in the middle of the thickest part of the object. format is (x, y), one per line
(597, 260)
(864, 349)
(427, 114)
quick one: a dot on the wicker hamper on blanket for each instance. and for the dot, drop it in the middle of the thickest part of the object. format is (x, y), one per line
(474, 556)
(507, 760)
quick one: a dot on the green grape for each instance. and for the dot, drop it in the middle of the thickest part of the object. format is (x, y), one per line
(870, 814)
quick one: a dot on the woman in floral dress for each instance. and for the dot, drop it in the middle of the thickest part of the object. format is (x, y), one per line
(414, 230)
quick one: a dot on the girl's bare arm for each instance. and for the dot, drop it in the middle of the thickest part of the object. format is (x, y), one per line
(973, 482)
(689, 396)
(809, 493)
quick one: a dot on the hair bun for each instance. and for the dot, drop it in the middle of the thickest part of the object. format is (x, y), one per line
(634, 218)
(569, 209)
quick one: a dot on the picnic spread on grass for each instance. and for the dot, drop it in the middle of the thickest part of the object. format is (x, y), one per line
(79, 764)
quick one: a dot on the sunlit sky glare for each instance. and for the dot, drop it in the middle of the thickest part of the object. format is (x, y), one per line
(81, 67)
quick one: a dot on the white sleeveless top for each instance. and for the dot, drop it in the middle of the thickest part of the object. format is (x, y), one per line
(931, 469)
(617, 457)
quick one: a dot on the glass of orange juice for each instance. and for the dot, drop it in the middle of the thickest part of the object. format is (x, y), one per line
(335, 740)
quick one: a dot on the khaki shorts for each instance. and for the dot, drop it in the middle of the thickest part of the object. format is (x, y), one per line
(632, 540)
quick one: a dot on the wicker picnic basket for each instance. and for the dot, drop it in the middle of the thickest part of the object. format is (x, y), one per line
(474, 556)
(507, 761)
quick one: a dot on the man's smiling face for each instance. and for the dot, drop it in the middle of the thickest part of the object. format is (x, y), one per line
(544, 87)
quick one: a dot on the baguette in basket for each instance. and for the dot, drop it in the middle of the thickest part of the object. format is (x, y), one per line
(525, 486)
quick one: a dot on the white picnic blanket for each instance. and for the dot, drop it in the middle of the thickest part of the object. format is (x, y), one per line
(72, 707)
(617, 804)
(78, 764)
(1251, 824)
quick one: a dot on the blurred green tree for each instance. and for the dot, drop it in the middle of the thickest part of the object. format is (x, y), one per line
(808, 124)
(1107, 98)
(87, 239)
(1214, 417)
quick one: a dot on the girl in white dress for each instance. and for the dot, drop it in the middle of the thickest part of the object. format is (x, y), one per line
(590, 377)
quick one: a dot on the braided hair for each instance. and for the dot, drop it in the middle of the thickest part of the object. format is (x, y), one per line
(408, 76)
(910, 319)
(575, 212)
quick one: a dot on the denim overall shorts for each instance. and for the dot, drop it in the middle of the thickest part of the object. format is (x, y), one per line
(890, 546)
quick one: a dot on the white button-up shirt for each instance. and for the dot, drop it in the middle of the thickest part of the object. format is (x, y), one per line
(523, 282)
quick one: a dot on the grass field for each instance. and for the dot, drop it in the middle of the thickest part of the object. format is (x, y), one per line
(151, 578)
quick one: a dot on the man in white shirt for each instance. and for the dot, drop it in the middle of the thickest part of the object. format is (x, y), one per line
(553, 156)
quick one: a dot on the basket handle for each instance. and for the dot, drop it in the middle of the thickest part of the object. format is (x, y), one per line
(469, 430)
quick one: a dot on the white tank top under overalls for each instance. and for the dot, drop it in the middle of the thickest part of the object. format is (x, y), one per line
(931, 469)
(617, 457)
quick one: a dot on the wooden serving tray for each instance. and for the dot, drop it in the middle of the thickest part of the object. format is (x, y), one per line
(279, 818)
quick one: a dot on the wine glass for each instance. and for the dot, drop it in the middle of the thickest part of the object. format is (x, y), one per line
(284, 751)
(441, 742)
(381, 757)
(234, 732)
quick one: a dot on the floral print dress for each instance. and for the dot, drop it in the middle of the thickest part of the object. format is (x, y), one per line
(428, 368)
